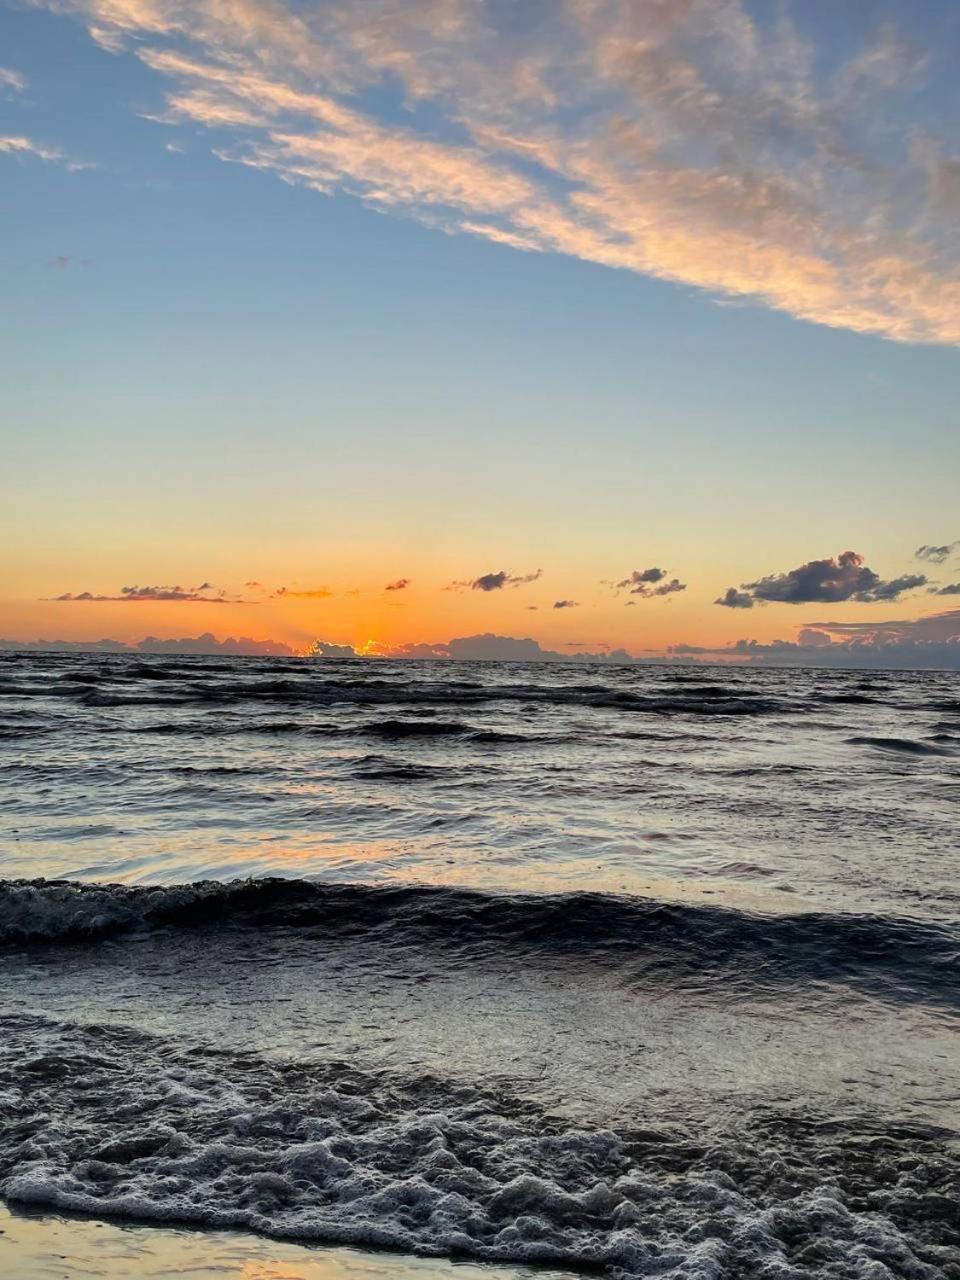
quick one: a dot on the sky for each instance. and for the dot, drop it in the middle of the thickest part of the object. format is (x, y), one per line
(611, 325)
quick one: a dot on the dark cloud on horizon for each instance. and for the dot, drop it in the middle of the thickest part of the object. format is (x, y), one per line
(932, 627)
(565, 604)
(400, 584)
(950, 589)
(134, 595)
(325, 649)
(931, 642)
(493, 648)
(242, 646)
(829, 581)
(928, 643)
(207, 643)
(937, 555)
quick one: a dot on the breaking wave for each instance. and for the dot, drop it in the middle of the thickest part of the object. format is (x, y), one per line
(898, 959)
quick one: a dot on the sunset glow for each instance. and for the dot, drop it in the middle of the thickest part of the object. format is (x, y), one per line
(605, 288)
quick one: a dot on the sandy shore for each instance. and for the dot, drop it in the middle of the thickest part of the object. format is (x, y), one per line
(52, 1247)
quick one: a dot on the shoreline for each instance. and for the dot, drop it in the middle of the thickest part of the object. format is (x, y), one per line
(47, 1245)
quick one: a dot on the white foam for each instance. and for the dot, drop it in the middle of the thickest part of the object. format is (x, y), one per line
(109, 1123)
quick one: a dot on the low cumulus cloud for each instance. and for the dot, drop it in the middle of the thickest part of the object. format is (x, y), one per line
(495, 581)
(831, 581)
(203, 593)
(642, 577)
(950, 589)
(734, 599)
(565, 604)
(937, 554)
(650, 582)
(400, 584)
(728, 146)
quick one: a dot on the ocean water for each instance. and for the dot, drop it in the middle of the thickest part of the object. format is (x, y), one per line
(640, 971)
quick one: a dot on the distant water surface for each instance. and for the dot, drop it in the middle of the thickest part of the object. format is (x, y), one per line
(839, 789)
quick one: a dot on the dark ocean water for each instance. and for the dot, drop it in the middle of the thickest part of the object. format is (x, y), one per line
(640, 970)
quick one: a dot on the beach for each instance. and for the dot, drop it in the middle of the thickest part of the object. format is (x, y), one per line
(51, 1247)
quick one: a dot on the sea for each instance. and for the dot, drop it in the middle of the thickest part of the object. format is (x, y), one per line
(640, 970)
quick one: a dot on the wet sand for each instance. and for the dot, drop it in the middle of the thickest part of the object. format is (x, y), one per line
(53, 1247)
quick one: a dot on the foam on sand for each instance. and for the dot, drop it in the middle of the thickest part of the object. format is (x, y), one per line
(108, 1122)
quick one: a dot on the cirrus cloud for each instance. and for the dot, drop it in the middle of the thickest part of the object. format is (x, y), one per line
(12, 80)
(707, 142)
(20, 145)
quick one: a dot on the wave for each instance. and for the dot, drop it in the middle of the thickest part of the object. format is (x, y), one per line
(136, 686)
(392, 730)
(906, 746)
(414, 728)
(644, 939)
(112, 1122)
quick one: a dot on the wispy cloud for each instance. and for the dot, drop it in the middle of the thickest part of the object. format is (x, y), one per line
(700, 141)
(66, 261)
(400, 584)
(306, 593)
(565, 604)
(495, 581)
(12, 80)
(830, 581)
(19, 145)
(204, 593)
(937, 554)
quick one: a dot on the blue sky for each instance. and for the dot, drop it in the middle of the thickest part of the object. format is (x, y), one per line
(728, 345)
